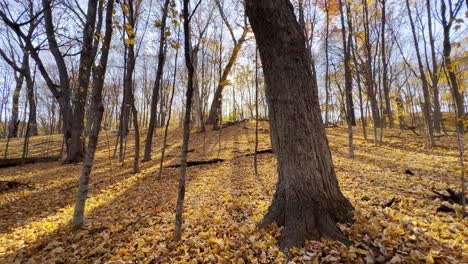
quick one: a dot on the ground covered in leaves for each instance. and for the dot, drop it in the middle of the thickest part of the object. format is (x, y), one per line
(130, 217)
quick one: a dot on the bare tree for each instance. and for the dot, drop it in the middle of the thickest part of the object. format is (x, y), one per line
(94, 118)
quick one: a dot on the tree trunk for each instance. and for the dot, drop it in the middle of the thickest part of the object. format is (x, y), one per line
(348, 78)
(94, 118)
(157, 83)
(308, 201)
(216, 103)
(14, 122)
(327, 72)
(31, 100)
(77, 143)
(437, 118)
(369, 78)
(386, 88)
(425, 88)
(163, 150)
(186, 135)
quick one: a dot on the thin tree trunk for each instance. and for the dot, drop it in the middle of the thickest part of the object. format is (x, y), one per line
(425, 88)
(256, 113)
(213, 118)
(186, 135)
(168, 122)
(386, 88)
(348, 78)
(157, 82)
(434, 74)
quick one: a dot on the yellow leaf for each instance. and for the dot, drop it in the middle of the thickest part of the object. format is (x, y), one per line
(429, 258)
(130, 41)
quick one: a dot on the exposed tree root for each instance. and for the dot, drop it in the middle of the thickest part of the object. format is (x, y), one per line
(310, 222)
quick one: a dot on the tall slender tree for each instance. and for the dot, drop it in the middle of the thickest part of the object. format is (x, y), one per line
(157, 81)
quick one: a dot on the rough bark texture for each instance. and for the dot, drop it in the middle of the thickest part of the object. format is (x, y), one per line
(308, 201)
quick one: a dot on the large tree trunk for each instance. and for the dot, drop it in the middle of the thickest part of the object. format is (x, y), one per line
(157, 84)
(308, 201)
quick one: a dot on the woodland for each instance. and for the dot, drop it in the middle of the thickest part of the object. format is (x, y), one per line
(233, 131)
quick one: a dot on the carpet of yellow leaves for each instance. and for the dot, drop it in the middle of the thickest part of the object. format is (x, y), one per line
(130, 217)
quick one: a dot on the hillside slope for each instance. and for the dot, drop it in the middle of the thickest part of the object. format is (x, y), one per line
(130, 217)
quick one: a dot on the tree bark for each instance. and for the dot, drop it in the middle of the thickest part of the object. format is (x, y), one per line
(308, 201)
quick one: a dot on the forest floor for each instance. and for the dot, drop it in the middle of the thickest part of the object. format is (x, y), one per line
(130, 217)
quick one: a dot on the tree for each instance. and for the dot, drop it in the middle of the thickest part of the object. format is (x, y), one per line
(157, 82)
(422, 75)
(213, 118)
(94, 118)
(186, 134)
(349, 109)
(385, 82)
(369, 75)
(308, 201)
(72, 114)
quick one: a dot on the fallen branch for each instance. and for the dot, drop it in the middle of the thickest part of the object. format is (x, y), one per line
(5, 163)
(9, 185)
(196, 163)
(453, 196)
(265, 151)
(445, 209)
